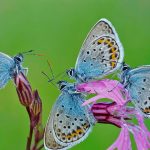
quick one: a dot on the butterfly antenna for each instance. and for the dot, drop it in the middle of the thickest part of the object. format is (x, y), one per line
(26, 52)
(57, 76)
(30, 53)
(49, 79)
(51, 70)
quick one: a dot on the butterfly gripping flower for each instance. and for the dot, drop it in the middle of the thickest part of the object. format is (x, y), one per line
(117, 113)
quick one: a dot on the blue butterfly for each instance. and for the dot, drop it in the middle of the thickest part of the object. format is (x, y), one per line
(101, 53)
(70, 123)
(137, 82)
(9, 67)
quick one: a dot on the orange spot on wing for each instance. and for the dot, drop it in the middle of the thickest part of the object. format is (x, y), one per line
(113, 64)
(107, 41)
(146, 110)
(79, 131)
(113, 56)
(100, 41)
(113, 49)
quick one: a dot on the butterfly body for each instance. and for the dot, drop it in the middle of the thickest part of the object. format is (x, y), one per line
(9, 67)
(69, 122)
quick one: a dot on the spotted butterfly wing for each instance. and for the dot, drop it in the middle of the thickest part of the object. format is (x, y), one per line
(49, 141)
(102, 27)
(70, 122)
(6, 66)
(101, 52)
(138, 85)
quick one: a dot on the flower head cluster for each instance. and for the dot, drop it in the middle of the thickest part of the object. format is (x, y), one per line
(117, 113)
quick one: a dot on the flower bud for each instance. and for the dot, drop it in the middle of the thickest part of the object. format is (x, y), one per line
(36, 109)
(36, 105)
(23, 89)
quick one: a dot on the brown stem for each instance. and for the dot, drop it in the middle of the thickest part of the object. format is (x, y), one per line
(40, 147)
(35, 145)
(37, 140)
(29, 139)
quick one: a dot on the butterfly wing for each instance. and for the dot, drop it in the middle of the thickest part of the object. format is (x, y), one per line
(139, 88)
(102, 27)
(6, 66)
(71, 122)
(49, 141)
(101, 52)
(102, 57)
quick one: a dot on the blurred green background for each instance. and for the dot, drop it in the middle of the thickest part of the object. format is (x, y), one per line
(57, 30)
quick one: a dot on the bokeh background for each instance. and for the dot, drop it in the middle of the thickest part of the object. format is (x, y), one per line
(57, 30)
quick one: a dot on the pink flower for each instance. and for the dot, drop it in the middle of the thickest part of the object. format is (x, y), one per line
(117, 113)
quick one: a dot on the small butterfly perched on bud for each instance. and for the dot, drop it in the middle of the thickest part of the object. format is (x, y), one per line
(11, 66)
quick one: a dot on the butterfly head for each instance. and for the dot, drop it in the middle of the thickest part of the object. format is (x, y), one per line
(18, 58)
(71, 73)
(124, 73)
(62, 85)
(125, 67)
(67, 87)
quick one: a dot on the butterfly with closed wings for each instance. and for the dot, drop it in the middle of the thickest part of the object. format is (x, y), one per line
(9, 67)
(137, 82)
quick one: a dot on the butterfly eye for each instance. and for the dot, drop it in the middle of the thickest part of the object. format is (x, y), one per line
(18, 59)
(62, 86)
(71, 72)
(125, 68)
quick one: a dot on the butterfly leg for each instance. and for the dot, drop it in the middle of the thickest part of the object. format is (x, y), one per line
(25, 71)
